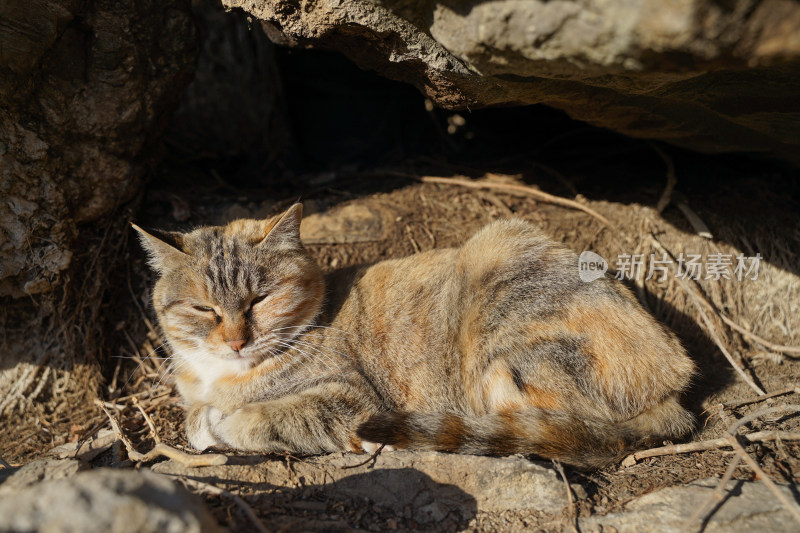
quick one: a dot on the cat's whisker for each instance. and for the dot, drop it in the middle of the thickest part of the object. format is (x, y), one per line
(135, 358)
(330, 362)
(143, 359)
(315, 327)
(319, 347)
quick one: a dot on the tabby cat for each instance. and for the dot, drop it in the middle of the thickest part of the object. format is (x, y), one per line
(496, 347)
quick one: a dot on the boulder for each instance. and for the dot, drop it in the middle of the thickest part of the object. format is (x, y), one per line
(707, 75)
(85, 88)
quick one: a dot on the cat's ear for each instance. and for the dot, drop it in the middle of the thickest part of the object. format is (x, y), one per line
(164, 248)
(285, 228)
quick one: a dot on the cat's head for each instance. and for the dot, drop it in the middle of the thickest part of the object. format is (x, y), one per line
(237, 293)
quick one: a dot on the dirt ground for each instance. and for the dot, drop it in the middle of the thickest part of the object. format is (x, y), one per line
(749, 207)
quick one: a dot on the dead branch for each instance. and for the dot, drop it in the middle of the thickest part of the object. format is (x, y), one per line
(413, 241)
(709, 326)
(700, 227)
(148, 420)
(711, 444)
(715, 496)
(161, 449)
(737, 447)
(734, 405)
(511, 187)
(782, 348)
(763, 477)
(672, 180)
(372, 457)
(762, 412)
(498, 203)
(573, 518)
(211, 489)
(712, 332)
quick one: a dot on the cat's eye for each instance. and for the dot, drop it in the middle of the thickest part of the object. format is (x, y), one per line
(258, 299)
(203, 308)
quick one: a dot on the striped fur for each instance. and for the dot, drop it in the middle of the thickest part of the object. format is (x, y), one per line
(496, 347)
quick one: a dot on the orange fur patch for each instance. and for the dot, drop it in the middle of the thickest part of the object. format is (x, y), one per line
(452, 434)
(539, 398)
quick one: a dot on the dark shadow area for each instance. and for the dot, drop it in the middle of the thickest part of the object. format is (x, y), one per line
(339, 126)
(409, 498)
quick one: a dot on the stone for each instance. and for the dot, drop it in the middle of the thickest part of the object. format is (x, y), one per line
(707, 75)
(104, 500)
(351, 223)
(85, 87)
(749, 506)
(40, 470)
(88, 449)
(76, 116)
(432, 485)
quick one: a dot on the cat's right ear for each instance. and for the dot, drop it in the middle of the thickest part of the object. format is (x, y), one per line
(163, 248)
(285, 228)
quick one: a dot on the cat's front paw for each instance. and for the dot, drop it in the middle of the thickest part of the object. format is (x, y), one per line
(373, 447)
(237, 429)
(213, 416)
(199, 424)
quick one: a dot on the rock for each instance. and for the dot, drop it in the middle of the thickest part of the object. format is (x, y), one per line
(707, 75)
(749, 506)
(85, 87)
(36, 471)
(234, 108)
(88, 449)
(104, 500)
(433, 485)
(352, 223)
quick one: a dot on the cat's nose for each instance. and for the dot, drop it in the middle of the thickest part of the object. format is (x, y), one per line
(236, 345)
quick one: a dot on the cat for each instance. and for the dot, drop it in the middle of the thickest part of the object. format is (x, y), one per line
(496, 347)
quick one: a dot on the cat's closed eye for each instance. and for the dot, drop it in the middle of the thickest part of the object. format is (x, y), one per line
(208, 311)
(258, 299)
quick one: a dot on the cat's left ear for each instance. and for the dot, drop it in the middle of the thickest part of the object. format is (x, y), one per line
(163, 248)
(285, 228)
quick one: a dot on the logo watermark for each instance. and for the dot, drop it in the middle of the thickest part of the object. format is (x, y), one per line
(716, 266)
(591, 266)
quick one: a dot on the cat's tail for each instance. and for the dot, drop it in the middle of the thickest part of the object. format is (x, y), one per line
(578, 441)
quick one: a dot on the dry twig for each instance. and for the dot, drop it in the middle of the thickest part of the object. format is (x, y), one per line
(372, 457)
(793, 509)
(211, 489)
(700, 227)
(573, 517)
(763, 477)
(672, 180)
(511, 187)
(709, 326)
(715, 496)
(161, 449)
(734, 405)
(711, 444)
(782, 348)
(763, 412)
(413, 241)
(148, 420)
(498, 203)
